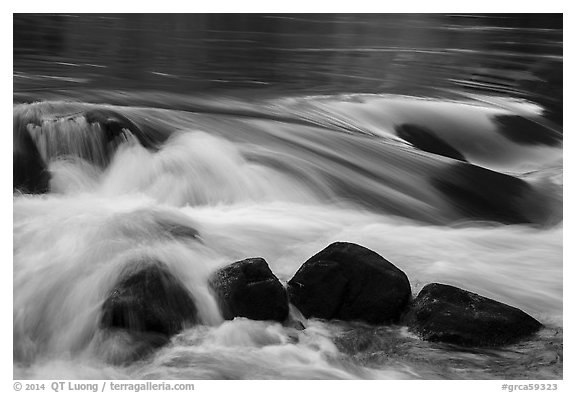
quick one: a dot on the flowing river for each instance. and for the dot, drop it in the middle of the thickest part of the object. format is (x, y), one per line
(453, 184)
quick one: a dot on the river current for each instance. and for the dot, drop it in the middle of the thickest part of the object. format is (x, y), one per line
(281, 176)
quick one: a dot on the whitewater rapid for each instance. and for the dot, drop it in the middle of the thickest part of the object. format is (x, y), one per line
(282, 191)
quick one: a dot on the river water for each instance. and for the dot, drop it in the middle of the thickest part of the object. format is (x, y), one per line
(273, 136)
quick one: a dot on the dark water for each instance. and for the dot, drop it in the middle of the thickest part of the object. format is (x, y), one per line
(421, 54)
(435, 140)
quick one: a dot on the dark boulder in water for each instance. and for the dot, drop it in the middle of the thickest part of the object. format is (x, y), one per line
(483, 194)
(149, 299)
(349, 282)
(249, 289)
(49, 131)
(448, 314)
(425, 139)
(30, 174)
(116, 125)
(527, 132)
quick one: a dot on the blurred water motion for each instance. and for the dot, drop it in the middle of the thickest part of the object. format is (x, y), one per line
(517, 55)
(148, 133)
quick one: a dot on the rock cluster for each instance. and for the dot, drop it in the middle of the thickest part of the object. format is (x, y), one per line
(345, 281)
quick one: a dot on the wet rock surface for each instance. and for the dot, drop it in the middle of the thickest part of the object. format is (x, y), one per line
(349, 282)
(149, 299)
(448, 314)
(249, 289)
(425, 139)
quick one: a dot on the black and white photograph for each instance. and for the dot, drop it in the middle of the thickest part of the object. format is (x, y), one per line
(287, 196)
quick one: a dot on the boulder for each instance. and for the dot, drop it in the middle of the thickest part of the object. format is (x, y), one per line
(115, 125)
(426, 140)
(249, 289)
(448, 314)
(349, 282)
(150, 300)
(30, 174)
(482, 194)
(527, 131)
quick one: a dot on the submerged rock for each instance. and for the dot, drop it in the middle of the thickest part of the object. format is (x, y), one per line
(487, 195)
(116, 125)
(349, 282)
(44, 132)
(527, 131)
(30, 174)
(425, 139)
(448, 314)
(249, 289)
(149, 299)
(179, 231)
